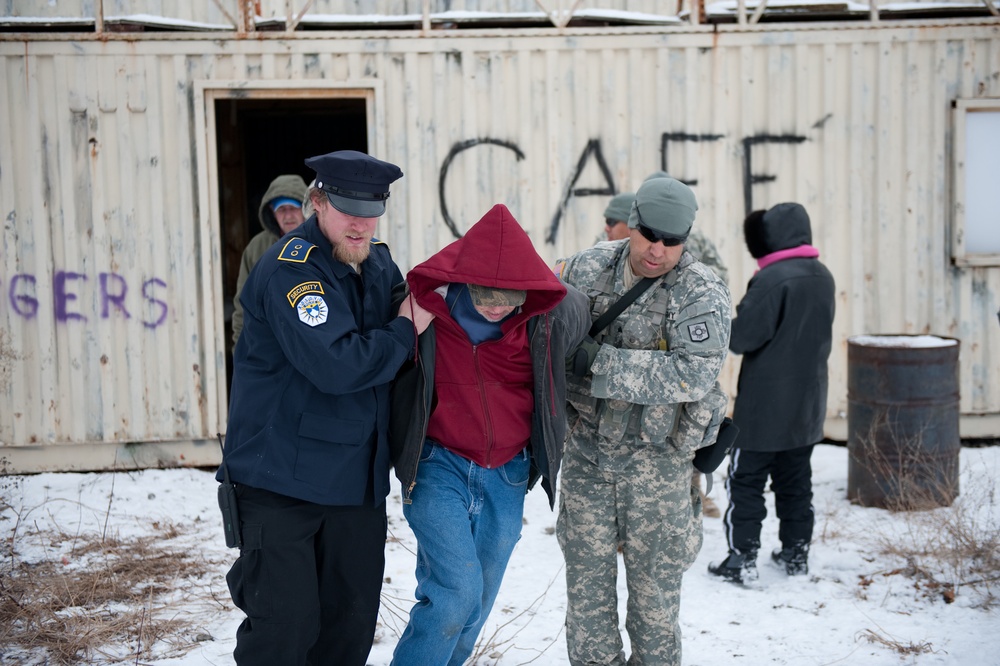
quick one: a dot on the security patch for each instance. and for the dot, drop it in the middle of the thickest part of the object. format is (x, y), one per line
(300, 290)
(698, 332)
(312, 310)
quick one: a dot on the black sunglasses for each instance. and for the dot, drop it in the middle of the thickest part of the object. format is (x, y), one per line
(652, 235)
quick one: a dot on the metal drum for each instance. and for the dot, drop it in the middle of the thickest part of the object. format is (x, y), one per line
(902, 418)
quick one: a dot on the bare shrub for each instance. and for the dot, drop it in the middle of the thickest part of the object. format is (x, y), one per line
(500, 641)
(898, 466)
(947, 551)
(895, 645)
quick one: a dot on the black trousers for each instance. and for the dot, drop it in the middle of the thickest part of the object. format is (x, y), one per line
(791, 481)
(308, 578)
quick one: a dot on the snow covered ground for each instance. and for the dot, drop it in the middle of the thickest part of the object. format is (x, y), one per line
(858, 605)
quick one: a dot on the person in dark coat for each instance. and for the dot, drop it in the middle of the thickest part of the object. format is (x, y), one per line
(308, 419)
(784, 329)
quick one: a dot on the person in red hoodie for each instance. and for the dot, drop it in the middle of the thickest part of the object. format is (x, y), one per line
(476, 419)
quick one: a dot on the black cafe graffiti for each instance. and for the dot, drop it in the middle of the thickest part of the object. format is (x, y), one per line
(593, 152)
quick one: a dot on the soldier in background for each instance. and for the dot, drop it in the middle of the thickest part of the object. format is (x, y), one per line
(616, 216)
(643, 397)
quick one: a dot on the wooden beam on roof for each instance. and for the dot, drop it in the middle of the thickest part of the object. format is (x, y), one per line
(229, 17)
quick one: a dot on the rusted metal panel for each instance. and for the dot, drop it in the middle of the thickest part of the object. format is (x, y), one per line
(111, 311)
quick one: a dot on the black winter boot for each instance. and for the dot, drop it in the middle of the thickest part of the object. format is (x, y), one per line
(794, 559)
(737, 567)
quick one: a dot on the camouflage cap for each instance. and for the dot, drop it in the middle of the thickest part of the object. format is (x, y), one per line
(491, 297)
(665, 205)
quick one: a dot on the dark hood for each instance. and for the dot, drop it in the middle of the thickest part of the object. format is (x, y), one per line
(495, 252)
(290, 186)
(781, 227)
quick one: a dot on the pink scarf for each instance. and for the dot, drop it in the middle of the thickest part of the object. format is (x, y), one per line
(806, 251)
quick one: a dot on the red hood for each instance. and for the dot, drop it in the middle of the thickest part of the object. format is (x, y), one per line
(495, 252)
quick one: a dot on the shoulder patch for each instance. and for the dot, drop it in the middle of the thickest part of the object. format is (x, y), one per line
(300, 290)
(312, 310)
(698, 331)
(375, 241)
(296, 250)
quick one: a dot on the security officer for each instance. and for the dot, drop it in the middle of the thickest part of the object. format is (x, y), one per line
(308, 417)
(645, 397)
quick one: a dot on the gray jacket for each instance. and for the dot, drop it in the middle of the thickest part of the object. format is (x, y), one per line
(552, 337)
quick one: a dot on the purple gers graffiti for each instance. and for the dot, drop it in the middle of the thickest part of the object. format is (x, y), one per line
(112, 294)
(592, 151)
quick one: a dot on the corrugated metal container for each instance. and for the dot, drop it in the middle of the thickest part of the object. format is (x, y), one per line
(119, 238)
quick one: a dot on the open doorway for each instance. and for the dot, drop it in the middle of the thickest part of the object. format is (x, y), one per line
(261, 136)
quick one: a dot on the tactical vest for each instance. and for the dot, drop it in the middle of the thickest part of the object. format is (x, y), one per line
(636, 328)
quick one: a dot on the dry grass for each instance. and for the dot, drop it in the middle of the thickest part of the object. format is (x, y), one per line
(895, 645)
(105, 601)
(901, 466)
(948, 543)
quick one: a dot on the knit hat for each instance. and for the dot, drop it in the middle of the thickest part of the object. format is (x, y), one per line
(619, 207)
(665, 205)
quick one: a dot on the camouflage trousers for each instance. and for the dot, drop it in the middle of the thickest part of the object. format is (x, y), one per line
(640, 498)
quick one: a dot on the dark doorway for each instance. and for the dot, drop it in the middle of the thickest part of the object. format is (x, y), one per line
(259, 139)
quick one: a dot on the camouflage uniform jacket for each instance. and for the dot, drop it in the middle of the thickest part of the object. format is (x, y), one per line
(704, 250)
(655, 379)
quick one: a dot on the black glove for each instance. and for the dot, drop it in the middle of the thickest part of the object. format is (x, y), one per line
(583, 356)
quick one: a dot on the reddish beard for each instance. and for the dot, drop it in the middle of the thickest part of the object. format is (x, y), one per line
(351, 255)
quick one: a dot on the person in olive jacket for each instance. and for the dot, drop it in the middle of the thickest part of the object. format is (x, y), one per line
(280, 211)
(784, 329)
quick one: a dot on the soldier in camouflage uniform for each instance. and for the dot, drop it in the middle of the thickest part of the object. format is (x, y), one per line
(643, 396)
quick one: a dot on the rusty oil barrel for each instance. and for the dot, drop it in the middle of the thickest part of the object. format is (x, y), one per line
(902, 419)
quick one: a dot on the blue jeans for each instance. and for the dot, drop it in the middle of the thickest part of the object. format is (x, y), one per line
(467, 520)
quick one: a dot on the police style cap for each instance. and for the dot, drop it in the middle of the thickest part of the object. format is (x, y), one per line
(665, 205)
(619, 207)
(491, 297)
(355, 183)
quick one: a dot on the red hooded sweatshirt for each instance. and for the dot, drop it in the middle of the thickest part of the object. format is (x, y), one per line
(483, 393)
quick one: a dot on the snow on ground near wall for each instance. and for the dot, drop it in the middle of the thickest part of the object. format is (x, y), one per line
(854, 604)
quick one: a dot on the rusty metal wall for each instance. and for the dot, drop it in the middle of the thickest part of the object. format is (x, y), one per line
(111, 323)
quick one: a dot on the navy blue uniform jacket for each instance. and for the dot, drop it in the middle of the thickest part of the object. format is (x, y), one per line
(308, 412)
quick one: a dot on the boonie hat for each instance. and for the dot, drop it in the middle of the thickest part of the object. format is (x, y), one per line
(355, 183)
(491, 297)
(278, 202)
(619, 207)
(665, 205)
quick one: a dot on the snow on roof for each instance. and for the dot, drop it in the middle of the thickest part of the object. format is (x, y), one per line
(723, 9)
